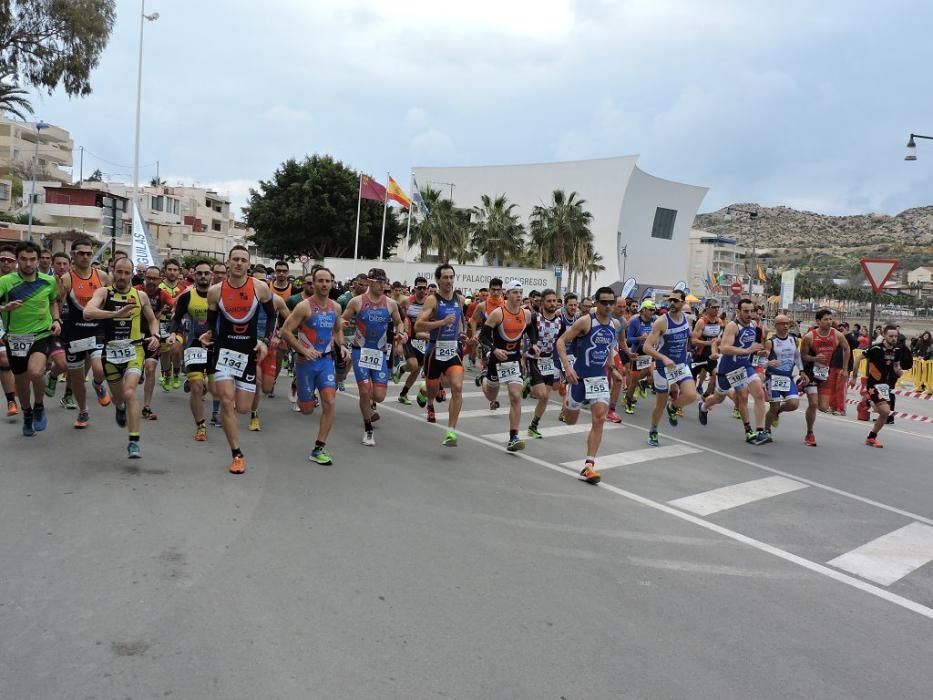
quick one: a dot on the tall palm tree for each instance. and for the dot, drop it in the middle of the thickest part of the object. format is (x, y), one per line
(497, 233)
(422, 232)
(13, 100)
(593, 267)
(561, 232)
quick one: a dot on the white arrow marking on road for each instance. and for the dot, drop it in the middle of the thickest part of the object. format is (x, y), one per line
(556, 431)
(890, 557)
(710, 502)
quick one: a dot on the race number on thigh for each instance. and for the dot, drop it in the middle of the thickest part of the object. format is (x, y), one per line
(445, 350)
(737, 378)
(232, 361)
(508, 370)
(596, 387)
(820, 372)
(371, 358)
(780, 383)
(642, 362)
(678, 373)
(546, 366)
(76, 346)
(195, 356)
(19, 345)
(419, 345)
(119, 352)
(883, 391)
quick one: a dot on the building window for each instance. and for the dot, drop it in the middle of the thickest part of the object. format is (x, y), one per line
(156, 203)
(663, 226)
(4, 191)
(216, 225)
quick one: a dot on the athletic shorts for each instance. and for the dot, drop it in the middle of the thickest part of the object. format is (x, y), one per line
(777, 396)
(314, 374)
(411, 351)
(700, 364)
(722, 381)
(379, 377)
(492, 369)
(534, 372)
(577, 395)
(152, 355)
(244, 381)
(48, 346)
(115, 373)
(434, 369)
(76, 359)
(269, 364)
(661, 385)
(876, 399)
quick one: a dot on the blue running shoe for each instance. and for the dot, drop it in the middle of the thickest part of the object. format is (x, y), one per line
(41, 421)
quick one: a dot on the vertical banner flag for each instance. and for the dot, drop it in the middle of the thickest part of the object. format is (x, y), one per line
(681, 287)
(417, 198)
(762, 277)
(397, 194)
(144, 249)
(629, 287)
(788, 278)
(647, 294)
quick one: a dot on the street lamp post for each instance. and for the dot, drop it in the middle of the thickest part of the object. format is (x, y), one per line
(753, 216)
(912, 146)
(143, 18)
(35, 160)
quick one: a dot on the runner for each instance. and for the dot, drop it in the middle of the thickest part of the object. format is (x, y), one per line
(283, 288)
(7, 265)
(442, 316)
(267, 370)
(595, 337)
(30, 312)
(358, 286)
(492, 301)
(667, 344)
(321, 335)
(161, 302)
(885, 363)
(816, 349)
(782, 388)
(620, 359)
(706, 333)
(736, 373)
(122, 309)
(172, 285)
(83, 339)
(501, 336)
(191, 306)
(235, 346)
(219, 274)
(376, 317)
(542, 369)
(414, 350)
(642, 364)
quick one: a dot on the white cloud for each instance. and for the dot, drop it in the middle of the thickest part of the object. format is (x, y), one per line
(432, 147)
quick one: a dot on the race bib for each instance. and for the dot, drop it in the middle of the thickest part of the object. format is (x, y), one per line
(419, 345)
(164, 327)
(119, 352)
(642, 362)
(820, 372)
(76, 346)
(371, 358)
(445, 350)
(883, 391)
(195, 356)
(232, 361)
(737, 378)
(596, 387)
(677, 373)
(546, 366)
(508, 370)
(19, 345)
(780, 383)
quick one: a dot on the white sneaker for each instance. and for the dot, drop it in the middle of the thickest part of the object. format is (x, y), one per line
(368, 439)
(293, 396)
(295, 408)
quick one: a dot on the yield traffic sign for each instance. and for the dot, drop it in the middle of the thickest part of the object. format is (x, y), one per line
(878, 271)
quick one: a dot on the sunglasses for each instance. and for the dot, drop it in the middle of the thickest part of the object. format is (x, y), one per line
(8, 260)
(673, 299)
(202, 272)
(82, 252)
(421, 287)
(606, 302)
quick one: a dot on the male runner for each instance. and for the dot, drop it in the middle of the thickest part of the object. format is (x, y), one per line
(30, 312)
(706, 333)
(191, 306)
(595, 338)
(7, 265)
(161, 302)
(416, 346)
(642, 364)
(493, 301)
(442, 316)
(783, 389)
(45, 262)
(376, 317)
(283, 288)
(501, 337)
(173, 285)
(236, 347)
(542, 369)
(668, 343)
(885, 363)
(816, 349)
(82, 338)
(312, 330)
(267, 370)
(122, 309)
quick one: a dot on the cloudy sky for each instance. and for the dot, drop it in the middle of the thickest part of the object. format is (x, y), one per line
(798, 103)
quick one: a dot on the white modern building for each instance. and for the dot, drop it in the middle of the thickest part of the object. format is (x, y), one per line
(18, 147)
(711, 254)
(650, 218)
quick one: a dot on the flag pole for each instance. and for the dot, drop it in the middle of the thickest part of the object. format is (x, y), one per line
(385, 211)
(411, 208)
(359, 202)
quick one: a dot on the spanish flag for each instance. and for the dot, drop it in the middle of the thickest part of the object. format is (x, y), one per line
(396, 194)
(761, 274)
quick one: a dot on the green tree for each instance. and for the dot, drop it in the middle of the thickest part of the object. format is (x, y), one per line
(446, 229)
(308, 207)
(561, 232)
(13, 100)
(497, 233)
(47, 42)
(593, 267)
(96, 176)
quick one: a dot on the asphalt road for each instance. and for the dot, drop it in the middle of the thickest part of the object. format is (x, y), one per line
(706, 568)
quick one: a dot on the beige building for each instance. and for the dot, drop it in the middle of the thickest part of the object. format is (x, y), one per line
(709, 253)
(18, 146)
(922, 275)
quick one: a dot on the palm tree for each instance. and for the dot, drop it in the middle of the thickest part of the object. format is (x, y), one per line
(422, 232)
(13, 100)
(561, 233)
(497, 233)
(593, 267)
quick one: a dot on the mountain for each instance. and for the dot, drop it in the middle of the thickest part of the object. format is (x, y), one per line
(831, 245)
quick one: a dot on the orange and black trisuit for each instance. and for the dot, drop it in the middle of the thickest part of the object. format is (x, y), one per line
(76, 332)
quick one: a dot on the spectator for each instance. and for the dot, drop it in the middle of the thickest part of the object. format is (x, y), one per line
(923, 348)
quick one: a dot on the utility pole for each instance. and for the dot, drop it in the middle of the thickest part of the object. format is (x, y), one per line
(81, 166)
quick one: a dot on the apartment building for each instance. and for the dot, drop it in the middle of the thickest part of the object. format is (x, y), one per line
(18, 145)
(709, 253)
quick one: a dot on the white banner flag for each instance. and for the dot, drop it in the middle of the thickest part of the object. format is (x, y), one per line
(144, 250)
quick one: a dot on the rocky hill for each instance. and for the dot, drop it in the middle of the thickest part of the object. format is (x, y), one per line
(830, 244)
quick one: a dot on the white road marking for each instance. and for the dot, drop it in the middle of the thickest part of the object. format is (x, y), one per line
(555, 431)
(890, 557)
(649, 454)
(727, 497)
(502, 412)
(821, 569)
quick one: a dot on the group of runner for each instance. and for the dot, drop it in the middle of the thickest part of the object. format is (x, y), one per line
(229, 332)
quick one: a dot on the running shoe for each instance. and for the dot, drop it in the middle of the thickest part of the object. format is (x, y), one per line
(341, 386)
(643, 387)
(238, 465)
(40, 420)
(186, 387)
(704, 414)
(630, 408)
(397, 373)
(515, 444)
(148, 414)
(534, 432)
(296, 408)
(653, 438)
(810, 440)
(68, 401)
(82, 420)
(870, 442)
(103, 396)
(672, 416)
(28, 428)
(319, 455)
(133, 451)
(293, 394)
(166, 383)
(200, 435)
(374, 416)
(120, 415)
(450, 440)
(736, 414)
(404, 400)
(270, 395)
(763, 438)
(589, 474)
(441, 395)
(11, 409)
(478, 380)
(888, 421)
(215, 421)
(493, 405)
(432, 418)
(613, 417)
(368, 439)
(176, 382)
(750, 436)
(561, 417)
(254, 423)
(422, 399)
(50, 385)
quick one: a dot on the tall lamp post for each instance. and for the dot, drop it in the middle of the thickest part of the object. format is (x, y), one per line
(35, 160)
(143, 18)
(912, 146)
(753, 216)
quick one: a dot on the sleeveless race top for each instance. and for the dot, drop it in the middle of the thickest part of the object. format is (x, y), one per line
(674, 341)
(785, 351)
(447, 307)
(82, 289)
(744, 338)
(238, 320)
(317, 330)
(593, 349)
(509, 333)
(123, 328)
(548, 331)
(372, 323)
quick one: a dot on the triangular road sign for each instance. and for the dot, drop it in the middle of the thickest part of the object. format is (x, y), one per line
(878, 271)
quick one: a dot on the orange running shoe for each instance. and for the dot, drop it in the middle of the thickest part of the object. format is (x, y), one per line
(810, 440)
(11, 409)
(238, 465)
(873, 442)
(201, 434)
(589, 474)
(103, 396)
